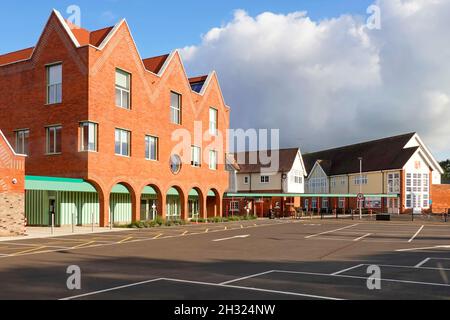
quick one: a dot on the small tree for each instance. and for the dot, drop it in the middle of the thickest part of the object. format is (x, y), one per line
(446, 166)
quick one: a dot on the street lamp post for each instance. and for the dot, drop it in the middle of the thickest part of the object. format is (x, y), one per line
(360, 186)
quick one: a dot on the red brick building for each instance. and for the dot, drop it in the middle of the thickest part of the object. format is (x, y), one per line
(12, 179)
(88, 110)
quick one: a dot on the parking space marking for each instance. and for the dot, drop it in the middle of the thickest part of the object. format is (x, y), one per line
(158, 236)
(247, 277)
(125, 240)
(331, 231)
(365, 278)
(83, 245)
(416, 234)
(422, 262)
(424, 248)
(203, 284)
(348, 269)
(26, 251)
(185, 233)
(363, 237)
(232, 238)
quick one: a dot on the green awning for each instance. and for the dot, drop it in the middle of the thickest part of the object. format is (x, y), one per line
(57, 184)
(305, 195)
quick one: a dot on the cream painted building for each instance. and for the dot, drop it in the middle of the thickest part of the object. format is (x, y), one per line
(401, 167)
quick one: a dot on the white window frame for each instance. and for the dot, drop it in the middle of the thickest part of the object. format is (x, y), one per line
(196, 156)
(128, 137)
(22, 141)
(176, 111)
(265, 179)
(56, 87)
(148, 152)
(234, 206)
(123, 90)
(213, 123)
(83, 148)
(53, 129)
(213, 160)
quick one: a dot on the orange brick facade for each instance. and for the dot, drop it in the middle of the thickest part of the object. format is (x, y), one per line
(12, 179)
(89, 95)
(441, 198)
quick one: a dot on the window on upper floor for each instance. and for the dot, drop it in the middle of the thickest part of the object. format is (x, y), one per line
(213, 160)
(22, 137)
(246, 180)
(88, 136)
(175, 108)
(393, 183)
(123, 89)
(53, 140)
(122, 142)
(213, 119)
(361, 180)
(151, 148)
(265, 179)
(196, 156)
(54, 84)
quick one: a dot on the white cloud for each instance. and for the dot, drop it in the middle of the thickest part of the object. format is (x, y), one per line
(331, 82)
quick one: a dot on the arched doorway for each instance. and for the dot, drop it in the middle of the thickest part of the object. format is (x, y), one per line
(121, 204)
(174, 204)
(151, 204)
(195, 204)
(213, 204)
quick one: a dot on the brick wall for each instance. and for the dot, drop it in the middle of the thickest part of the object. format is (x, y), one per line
(441, 198)
(12, 184)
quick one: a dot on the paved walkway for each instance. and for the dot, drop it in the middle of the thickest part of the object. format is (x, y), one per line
(46, 232)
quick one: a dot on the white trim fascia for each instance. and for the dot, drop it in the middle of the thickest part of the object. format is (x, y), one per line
(10, 147)
(67, 28)
(317, 164)
(428, 155)
(111, 34)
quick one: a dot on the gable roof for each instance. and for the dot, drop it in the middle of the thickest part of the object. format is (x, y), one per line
(286, 160)
(383, 154)
(155, 64)
(197, 83)
(16, 56)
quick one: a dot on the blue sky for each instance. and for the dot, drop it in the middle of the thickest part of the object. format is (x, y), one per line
(158, 26)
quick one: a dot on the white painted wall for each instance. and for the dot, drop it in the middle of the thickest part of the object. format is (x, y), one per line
(289, 185)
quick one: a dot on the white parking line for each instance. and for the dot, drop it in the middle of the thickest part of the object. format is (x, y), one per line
(331, 231)
(416, 234)
(205, 284)
(248, 277)
(423, 248)
(364, 278)
(422, 262)
(232, 238)
(365, 236)
(348, 269)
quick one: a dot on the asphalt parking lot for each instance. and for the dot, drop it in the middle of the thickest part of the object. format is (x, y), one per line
(258, 260)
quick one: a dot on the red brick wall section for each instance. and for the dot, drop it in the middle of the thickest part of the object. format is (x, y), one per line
(441, 198)
(89, 95)
(12, 179)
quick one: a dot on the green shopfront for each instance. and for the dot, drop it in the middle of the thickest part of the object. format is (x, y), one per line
(76, 202)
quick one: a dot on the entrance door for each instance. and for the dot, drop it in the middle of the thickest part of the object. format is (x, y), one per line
(393, 206)
(148, 209)
(417, 203)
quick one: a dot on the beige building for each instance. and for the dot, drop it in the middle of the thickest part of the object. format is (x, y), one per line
(397, 175)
